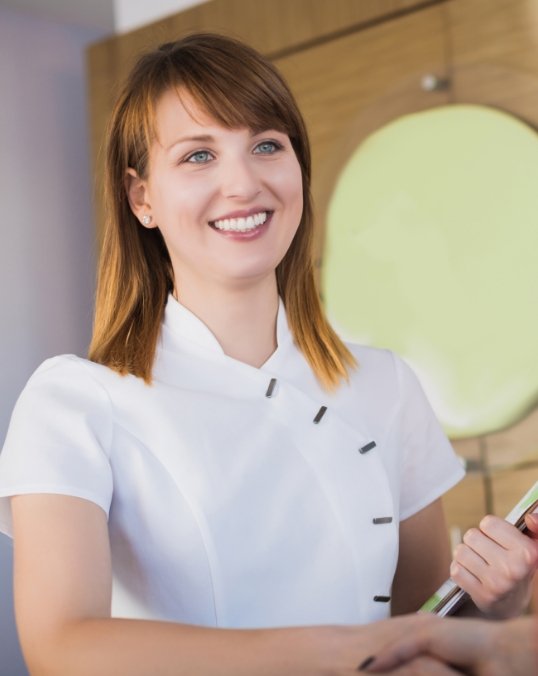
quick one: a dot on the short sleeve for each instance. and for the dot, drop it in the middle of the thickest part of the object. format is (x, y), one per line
(429, 465)
(58, 439)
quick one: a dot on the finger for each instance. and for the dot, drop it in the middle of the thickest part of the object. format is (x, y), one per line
(472, 585)
(402, 650)
(467, 558)
(502, 532)
(487, 548)
(504, 547)
(492, 587)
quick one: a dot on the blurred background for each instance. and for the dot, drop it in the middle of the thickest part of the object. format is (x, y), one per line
(422, 116)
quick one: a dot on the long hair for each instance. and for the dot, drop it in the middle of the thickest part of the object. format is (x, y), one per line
(237, 87)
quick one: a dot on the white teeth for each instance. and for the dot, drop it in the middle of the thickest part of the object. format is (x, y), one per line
(241, 224)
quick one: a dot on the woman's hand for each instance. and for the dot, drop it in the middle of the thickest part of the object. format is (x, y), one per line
(443, 646)
(495, 565)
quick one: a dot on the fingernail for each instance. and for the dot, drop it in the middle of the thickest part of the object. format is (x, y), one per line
(367, 662)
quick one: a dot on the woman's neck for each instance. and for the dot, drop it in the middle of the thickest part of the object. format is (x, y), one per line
(243, 319)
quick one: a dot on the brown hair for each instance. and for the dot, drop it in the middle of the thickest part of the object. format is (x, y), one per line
(238, 88)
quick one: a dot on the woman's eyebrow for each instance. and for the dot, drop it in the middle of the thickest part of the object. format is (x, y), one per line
(208, 138)
(204, 138)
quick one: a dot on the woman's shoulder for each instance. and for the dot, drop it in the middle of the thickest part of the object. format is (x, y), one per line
(380, 371)
(70, 370)
(65, 365)
(59, 438)
(64, 383)
(376, 361)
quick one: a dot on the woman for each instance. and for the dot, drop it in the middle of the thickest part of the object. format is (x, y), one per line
(253, 476)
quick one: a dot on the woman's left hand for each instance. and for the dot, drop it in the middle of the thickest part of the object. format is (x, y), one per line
(495, 565)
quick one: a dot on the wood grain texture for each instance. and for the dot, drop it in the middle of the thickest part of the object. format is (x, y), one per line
(272, 26)
(508, 487)
(353, 85)
(515, 447)
(494, 54)
(101, 69)
(465, 504)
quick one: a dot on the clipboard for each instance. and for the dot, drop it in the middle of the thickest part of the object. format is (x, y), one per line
(450, 596)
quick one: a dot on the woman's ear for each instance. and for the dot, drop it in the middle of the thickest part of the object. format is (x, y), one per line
(136, 189)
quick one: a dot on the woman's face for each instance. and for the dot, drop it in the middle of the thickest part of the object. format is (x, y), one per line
(228, 202)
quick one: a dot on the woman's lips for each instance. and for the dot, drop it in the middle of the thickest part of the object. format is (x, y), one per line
(243, 226)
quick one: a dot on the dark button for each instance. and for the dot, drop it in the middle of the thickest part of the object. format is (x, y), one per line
(271, 388)
(368, 447)
(382, 599)
(320, 414)
(382, 519)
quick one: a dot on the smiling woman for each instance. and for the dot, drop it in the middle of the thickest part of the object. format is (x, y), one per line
(219, 489)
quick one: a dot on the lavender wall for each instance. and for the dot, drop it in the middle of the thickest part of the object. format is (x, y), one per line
(47, 231)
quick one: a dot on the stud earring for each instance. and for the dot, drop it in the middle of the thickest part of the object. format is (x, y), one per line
(146, 219)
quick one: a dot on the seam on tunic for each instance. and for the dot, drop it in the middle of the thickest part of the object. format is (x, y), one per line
(200, 522)
(331, 505)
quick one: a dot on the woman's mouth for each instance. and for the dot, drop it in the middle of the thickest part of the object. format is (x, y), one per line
(243, 224)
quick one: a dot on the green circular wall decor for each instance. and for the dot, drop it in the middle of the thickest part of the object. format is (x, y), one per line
(432, 251)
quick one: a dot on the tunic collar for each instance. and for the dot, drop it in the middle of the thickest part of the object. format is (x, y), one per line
(183, 328)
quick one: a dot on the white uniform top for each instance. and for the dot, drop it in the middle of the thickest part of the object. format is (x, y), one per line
(229, 507)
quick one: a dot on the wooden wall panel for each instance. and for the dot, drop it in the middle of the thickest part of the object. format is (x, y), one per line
(508, 487)
(465, 504)
(494, 47)
(515, 447)
(350, 86)
(101, 69)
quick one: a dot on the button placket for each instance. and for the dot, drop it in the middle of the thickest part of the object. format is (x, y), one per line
(377, 521)
(331, 434)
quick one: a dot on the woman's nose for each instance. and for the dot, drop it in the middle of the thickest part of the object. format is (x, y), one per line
(240, 179)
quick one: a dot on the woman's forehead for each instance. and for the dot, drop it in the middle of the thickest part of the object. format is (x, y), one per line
(178, 109)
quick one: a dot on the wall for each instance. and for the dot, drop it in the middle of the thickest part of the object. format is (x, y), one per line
(47, 251)
(131, 14)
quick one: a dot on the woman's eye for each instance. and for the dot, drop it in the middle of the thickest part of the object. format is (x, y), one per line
(199, 157)
(267, 147)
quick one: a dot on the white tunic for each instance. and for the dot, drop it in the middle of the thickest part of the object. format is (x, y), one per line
(228, 507)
